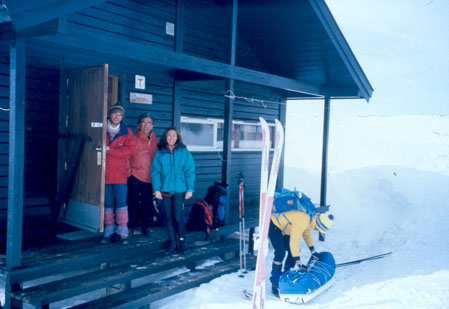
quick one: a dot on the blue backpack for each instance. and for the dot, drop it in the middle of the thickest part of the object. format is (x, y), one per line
(285, 200)
(217, 197)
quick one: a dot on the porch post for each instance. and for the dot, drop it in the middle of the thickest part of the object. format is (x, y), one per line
(16, 153)
(179, 46)
(228, 113)
(282, 119)
(324, 156)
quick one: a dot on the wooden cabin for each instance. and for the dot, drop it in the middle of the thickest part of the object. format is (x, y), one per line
(209, 67)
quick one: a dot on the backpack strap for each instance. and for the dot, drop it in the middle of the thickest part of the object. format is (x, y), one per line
(277, 218)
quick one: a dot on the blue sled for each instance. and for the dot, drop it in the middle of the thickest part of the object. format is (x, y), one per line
(298, 287)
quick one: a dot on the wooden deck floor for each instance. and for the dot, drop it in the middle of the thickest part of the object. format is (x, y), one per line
(90, 257)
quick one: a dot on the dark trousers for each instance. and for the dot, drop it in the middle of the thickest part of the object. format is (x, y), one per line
(140, 203)
(173, 208)
(281, 245)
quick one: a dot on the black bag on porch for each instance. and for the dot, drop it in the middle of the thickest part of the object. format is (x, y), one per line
(217, 196)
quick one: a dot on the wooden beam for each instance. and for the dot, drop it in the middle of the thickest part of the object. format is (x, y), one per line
(140, 52)
(53, 26)
(183, 75)
(16, 153)
(31, 13)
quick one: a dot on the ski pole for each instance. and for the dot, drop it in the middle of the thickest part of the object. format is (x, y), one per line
(243, 226)
(242, 255)
(374, 257)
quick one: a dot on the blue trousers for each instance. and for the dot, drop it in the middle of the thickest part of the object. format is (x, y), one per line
(115, 193)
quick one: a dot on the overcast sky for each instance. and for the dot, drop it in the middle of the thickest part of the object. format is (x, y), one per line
(403, 48)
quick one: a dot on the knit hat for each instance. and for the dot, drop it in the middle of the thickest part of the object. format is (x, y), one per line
(116, 109)
(324, 222)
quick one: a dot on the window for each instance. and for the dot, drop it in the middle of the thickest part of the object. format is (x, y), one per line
(201, 134)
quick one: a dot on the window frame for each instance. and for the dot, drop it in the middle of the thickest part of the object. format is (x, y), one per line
(215, 121)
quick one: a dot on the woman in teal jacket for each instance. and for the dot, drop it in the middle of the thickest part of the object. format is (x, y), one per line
(173, 176)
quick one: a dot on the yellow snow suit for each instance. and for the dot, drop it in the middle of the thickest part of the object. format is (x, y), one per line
(295, 223)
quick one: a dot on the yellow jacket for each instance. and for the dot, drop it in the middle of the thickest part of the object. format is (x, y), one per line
(296, 224)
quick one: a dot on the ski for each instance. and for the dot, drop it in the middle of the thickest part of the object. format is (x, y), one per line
(242, 240)
(374, 257)
(267, 188)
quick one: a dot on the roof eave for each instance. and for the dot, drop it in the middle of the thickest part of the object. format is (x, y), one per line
(343, 48)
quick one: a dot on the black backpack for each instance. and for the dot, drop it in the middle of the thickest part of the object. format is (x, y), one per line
(217, 196)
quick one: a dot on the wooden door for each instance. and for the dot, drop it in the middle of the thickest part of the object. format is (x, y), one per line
(87, 111)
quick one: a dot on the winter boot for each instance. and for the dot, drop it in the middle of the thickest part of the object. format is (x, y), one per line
(275, 290)
(172, 249)
(276, 272)
(123, 240)
(106, 240)
(182, 246)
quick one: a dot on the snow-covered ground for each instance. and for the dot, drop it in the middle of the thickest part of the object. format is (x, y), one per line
(388, 189)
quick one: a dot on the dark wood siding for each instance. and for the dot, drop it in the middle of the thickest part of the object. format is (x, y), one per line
(41, 148)
(142, 21)
(207, 35)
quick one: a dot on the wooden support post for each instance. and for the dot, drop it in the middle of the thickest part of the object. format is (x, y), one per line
(179, 41)
(282, 119)
(62, 126)
(9, 301)
(177, 104)
(179, 27)
(228, 116)
(16, 153)
(227, 140)
(324, 156)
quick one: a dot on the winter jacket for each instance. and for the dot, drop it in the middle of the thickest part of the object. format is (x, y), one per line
(296, 224)
(143, 155)
(118, 168)
(173, 172)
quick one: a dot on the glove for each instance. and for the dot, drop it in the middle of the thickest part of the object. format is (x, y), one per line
(300, 268)
(315, 256)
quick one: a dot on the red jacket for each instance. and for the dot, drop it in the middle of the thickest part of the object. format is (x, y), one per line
(143, 155)
(121, 148)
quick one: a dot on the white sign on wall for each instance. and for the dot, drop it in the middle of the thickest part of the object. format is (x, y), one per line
(170, 28)
(140, 82)
(143, 98)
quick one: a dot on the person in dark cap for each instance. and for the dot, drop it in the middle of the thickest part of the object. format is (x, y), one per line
(286, 230)
(120, 144)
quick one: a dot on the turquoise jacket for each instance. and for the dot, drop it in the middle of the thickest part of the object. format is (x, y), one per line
(173, 172)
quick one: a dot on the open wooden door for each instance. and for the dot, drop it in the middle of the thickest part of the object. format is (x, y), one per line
(87, 92)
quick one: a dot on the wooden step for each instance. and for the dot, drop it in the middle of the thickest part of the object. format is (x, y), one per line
(148, 293)
(151, 263)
